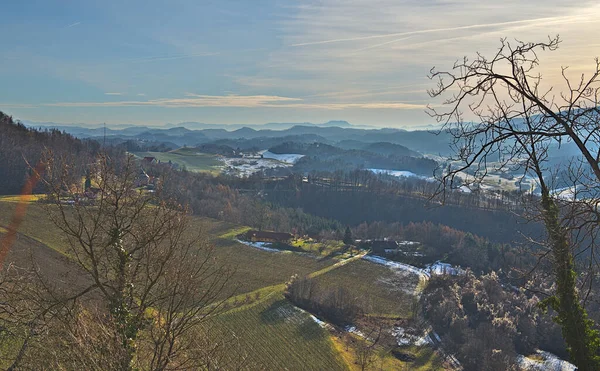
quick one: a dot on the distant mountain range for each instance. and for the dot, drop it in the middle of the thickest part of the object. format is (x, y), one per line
(200, 126)
(265, 136)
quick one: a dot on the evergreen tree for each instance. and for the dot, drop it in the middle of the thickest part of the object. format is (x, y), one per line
(348, 237)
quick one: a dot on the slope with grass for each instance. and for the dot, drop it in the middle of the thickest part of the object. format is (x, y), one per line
(253, 268)
(273, 333)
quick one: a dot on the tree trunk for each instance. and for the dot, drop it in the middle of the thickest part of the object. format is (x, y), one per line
(581, 339)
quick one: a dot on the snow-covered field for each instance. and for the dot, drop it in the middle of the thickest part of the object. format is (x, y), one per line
(400, 174)
(289, 158)
(244, 167)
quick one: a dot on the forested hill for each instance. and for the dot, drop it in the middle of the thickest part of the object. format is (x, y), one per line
(20, 145)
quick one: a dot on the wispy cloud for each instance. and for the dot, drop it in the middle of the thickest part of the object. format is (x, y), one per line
(562, 19)
(73, 24)
(113, 93)
(241, 101)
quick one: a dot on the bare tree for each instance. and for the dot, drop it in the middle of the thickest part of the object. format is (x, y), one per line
(366, 348)
(148, 280)
(515, 124)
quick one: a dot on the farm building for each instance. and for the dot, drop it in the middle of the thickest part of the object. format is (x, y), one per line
(382, 247)
(264, 236)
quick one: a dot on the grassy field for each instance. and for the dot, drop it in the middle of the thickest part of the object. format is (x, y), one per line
(278, 336)
(256, 268)
(380, 291)
(188, 157)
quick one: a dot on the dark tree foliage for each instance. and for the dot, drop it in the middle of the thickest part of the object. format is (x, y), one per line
(348, 237)
(230, 199)
(440, 242)
(361, 196)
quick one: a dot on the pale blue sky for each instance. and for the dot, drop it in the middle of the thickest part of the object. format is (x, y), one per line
(250, 62)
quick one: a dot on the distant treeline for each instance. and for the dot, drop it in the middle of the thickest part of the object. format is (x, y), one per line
(223, 198)
(361, 196)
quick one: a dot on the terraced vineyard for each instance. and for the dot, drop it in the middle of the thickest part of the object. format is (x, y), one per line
(278, 336)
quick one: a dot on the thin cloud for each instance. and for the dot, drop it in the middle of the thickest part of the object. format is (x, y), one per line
(73, 24)
(113, 93)
(17, 105)
(562, 19)
(240, 101)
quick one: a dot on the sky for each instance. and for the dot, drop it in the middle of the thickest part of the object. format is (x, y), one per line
(256, 61)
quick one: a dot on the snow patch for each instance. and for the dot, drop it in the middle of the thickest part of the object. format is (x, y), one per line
(439, 268)
(259, 245)
(354, 330)
(549, 362)
(318, 321)
(396, 265)
(244, 167)
(404, 337)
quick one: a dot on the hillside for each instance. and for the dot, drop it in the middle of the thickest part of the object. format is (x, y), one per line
(21, 147)
(268, 329)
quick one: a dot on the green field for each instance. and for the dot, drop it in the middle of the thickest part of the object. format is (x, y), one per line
(379, 290)
(188, 158)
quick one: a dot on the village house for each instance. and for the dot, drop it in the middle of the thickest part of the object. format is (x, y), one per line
(149, 160)
(383, 247)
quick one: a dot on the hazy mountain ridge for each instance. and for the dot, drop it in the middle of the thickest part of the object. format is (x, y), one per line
(330, 133)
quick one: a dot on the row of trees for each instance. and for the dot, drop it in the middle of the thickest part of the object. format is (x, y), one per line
(335, 304)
